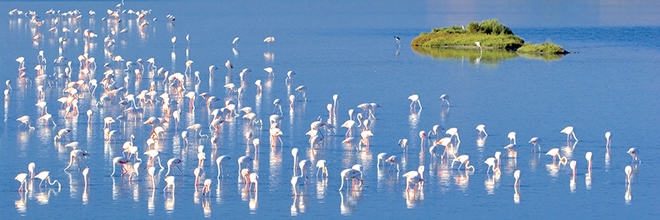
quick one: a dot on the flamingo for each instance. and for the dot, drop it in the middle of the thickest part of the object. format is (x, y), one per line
(303, 92)
(78, 155)
(573, 165)
(633, 153)
(235, 41)
(119, 161)
(269, 40)
(445, 99)
(255, 143)
(253, 179)
(229, 67)
(512, 151)
(199, 174)
(482, 129)
(463, 159)
(554, 152)
(31, 167)
(436, 130)
(85, 172)
(207, 186)
(201, 156)
(22, 178)
(304, 167)
(243, 160)
(220, 162)
(320, 165)
(607, 142)
(173, 162)
(394, 160)
(275, 134)
(512, 138)
(382, 157)
(294, 153)
(350, 173)
(491, 164)
(366, 134)
(445, 142)
(516, 175)
(45, 175)
(25, 120)
(453, 132)
(588, 157)
(434, 151)
(349, 124)
(173, 41)
(536, 141)
(414, 98)
(422, 137)
(569, 132)
(152, 155)
(414, 177)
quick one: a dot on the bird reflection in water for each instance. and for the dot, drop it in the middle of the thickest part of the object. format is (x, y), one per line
(444, 172)
(481, 142)
(413, 120)
(462, 179)
(85, 195)
(299, 205)
(628, 195)
(253, 204)
(629, 176)
(553, 169)
(348, 203)
(534, 160)
(321, 188)
(516, 195)
(607, 150)
(573, 184)
(73, 183)
(206, 206)
(568, 150)
(21, 203)
(490, 184)
(414, 196)
(169, 202)
(268, 56)
(44, 197)
(587, 176)
(516, 187)
(151, 202)
(511, 164)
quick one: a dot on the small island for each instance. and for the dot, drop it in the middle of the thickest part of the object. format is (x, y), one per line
(487, 35)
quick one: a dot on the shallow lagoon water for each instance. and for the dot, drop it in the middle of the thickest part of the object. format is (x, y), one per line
(348, 49)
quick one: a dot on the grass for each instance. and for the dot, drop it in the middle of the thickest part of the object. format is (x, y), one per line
(506, 42)
(543, 48)
(490, 33)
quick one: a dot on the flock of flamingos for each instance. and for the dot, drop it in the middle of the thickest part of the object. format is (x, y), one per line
(163, 106)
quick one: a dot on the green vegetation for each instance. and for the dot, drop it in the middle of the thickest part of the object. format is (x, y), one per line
(496, 43)
(490, 33)
(544, 48)
(544, 57)
(483, 57)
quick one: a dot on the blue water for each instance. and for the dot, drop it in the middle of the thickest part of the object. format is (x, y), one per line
(347, 48)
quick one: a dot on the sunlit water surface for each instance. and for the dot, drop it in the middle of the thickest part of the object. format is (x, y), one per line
(347, 48)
